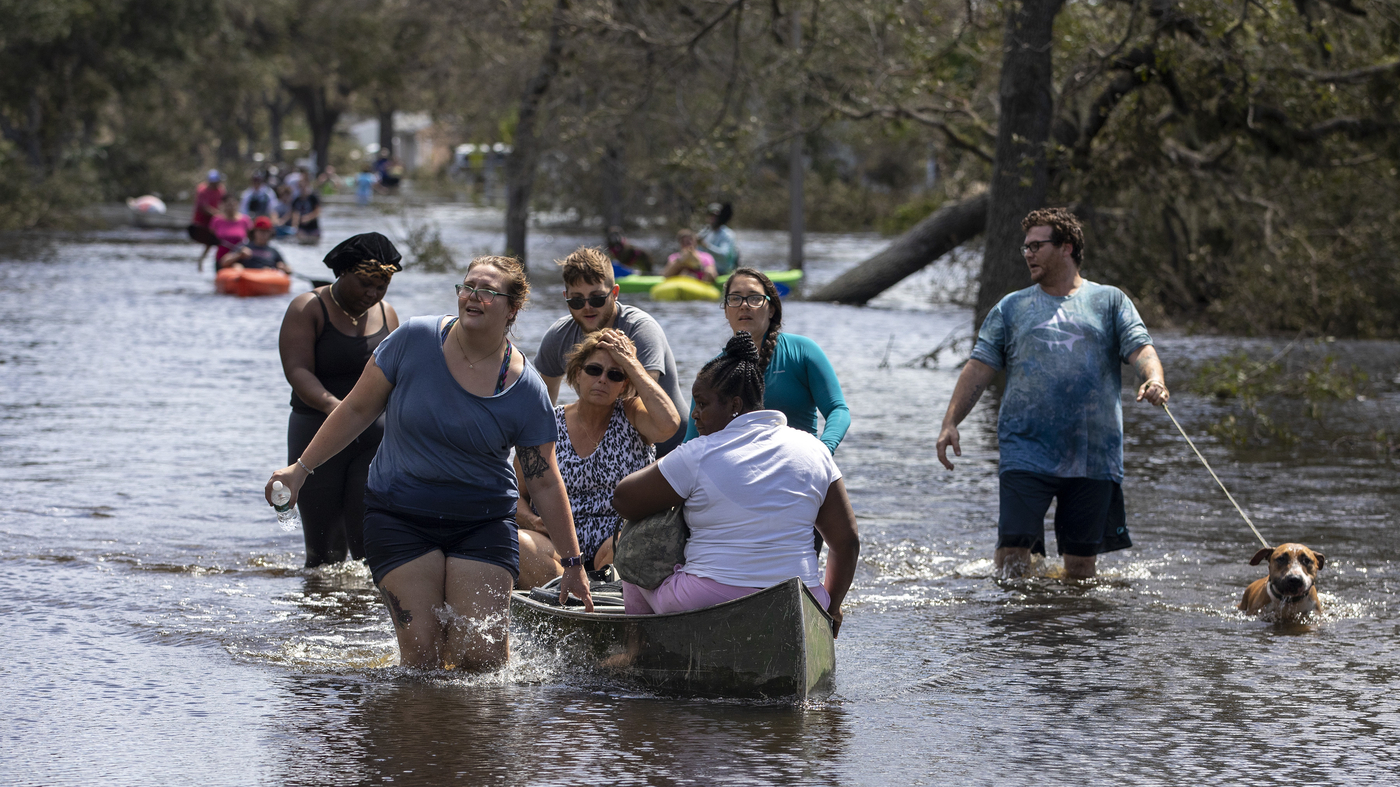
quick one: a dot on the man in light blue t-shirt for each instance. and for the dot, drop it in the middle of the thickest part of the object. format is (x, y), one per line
(1062, 343)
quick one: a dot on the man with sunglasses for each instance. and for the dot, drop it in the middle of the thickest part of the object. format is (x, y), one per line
(591, 296)
(1062, 342)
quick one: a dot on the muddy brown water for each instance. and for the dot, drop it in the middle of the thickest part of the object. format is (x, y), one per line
(159, 628)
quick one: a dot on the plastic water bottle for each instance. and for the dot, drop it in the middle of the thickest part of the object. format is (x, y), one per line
(287, 515)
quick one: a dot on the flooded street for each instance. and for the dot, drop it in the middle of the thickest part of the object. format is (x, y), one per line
(160, 628)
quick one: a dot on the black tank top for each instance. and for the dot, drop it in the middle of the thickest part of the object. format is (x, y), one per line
(340, 359)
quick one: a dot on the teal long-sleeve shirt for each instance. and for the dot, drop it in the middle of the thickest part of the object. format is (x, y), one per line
(801, 383)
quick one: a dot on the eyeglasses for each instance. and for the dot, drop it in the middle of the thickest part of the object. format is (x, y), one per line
(482, 294)
(614, 374)
(754, 301)
(596, 301)
(1033, 247)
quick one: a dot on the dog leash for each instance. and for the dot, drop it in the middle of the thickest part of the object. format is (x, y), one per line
(1213, 475)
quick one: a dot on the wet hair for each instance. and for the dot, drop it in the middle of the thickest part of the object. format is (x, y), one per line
(515, 274)
(769, 345)
(368, 252)
(1064, 228)
(579, 355)
(736, 372)
(587, 265)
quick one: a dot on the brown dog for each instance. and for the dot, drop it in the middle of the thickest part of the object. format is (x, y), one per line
(1290, 589)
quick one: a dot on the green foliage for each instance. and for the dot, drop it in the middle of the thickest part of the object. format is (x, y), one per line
(1253, 389)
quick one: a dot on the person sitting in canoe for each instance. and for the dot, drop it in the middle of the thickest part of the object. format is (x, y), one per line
(690, 261)
(257, 253)
(753, 489)
(626, 254)
(719, 240)
(610, 432)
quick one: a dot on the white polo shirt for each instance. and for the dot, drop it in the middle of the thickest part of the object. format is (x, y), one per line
(752, 492)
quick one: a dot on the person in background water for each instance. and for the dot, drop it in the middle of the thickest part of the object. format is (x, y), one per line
(1062, 342)
(625, 253)
(328, 336)
(719, 240)
(753, 491)
(590, 292)
(230, 227)
(258, 199)
(364, 185)
(208, 196)
(690, 261)
(608, 433)
(282, 216)
(797, 376)
(440, 534)
(306, 216)
(257, 253)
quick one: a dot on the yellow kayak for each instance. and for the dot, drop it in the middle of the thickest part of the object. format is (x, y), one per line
(684, 288)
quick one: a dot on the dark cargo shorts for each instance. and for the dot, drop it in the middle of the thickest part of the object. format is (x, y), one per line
(1089, 516)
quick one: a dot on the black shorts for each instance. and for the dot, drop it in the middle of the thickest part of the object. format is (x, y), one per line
(1089, 515)
(393, 538)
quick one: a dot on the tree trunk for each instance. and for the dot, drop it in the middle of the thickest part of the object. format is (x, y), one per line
(386, 128)
(525, 152)
(276, 111)
(321, 117)
(1020, 177)
(614, 184)
(945, 230)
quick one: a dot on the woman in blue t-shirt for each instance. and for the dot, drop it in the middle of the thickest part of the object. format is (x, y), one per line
(440, 533)
(797, 377)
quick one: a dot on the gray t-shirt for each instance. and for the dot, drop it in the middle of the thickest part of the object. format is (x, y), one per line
(652, 350)
(1062, 413)
(446, 451)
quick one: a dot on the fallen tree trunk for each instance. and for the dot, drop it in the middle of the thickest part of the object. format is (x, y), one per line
(940, 233)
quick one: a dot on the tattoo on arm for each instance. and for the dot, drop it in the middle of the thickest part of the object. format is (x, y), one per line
(401, 617)
(532, 464)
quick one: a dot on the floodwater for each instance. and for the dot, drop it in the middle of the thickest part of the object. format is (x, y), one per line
(159, 628)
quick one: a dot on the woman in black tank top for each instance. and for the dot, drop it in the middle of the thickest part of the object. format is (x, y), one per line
(327, 337)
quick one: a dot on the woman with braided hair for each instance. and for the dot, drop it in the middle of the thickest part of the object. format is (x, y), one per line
(753, 490)
(327, 336)
(798, 379)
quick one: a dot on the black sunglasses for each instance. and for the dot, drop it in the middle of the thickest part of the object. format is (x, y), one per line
(596, 301)
(614, 374)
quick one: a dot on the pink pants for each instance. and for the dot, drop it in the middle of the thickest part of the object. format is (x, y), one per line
(681, 592)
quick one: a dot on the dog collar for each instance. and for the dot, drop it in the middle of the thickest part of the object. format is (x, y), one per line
(1269, 588)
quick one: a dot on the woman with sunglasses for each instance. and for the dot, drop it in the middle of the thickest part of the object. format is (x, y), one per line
(440, 533)
(610, 432)
(327, 337)
(798, 379)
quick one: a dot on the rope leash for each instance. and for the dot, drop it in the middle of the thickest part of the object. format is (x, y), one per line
(1216, 477)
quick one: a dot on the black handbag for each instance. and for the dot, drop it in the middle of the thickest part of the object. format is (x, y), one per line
(648, 549)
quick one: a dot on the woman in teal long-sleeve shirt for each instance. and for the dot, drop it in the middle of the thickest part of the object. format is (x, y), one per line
(798, 379)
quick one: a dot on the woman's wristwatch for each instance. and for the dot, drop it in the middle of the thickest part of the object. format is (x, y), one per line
(570, 562)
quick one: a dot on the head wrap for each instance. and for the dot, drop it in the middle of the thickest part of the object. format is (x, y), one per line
(369, 253)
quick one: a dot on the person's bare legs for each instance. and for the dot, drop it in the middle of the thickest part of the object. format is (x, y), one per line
(539, 563)
(413, 593)
(1078, 567)
(1012, 562)
(477, 615)
(604, 555)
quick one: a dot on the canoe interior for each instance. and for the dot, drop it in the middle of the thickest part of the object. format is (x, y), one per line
(773, 644)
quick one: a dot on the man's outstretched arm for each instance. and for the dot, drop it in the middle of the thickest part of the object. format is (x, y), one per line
(1154, 381)
(975, 378)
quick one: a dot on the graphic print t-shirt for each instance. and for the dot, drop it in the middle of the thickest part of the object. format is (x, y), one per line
(1062, 413)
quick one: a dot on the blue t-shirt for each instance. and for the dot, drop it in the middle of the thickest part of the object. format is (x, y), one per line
(1062, 413)
(800, 383)
(446, 451)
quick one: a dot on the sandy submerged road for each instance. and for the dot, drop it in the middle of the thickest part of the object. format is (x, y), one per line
(160, 629)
